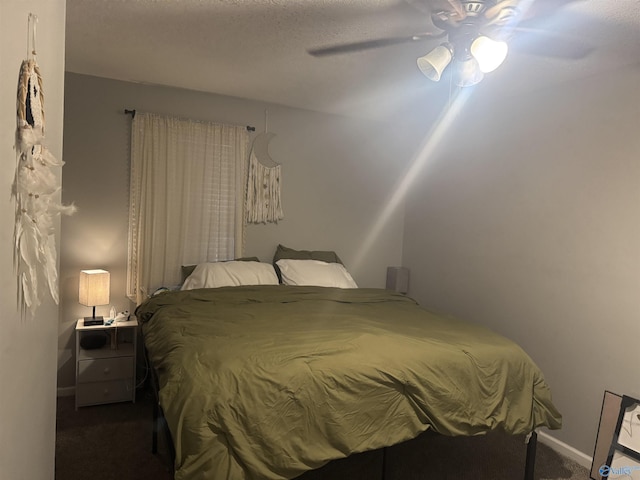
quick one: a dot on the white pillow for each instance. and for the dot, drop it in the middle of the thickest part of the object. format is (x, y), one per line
(316, 273)
(230, 274)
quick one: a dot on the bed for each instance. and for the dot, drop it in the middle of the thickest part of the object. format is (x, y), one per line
(269, 381)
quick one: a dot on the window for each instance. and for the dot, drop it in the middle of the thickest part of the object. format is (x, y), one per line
(186, 198)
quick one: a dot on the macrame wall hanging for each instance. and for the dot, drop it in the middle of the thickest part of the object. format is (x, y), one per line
(35, 189)
(264, 183)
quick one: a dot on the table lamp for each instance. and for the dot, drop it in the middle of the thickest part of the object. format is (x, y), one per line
(94, 290)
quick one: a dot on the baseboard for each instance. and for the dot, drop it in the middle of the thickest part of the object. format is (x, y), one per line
(565, 450)
(66, 391)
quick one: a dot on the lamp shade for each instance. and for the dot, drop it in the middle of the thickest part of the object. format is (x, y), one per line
(468, 73)
(488, 53)
(434, 62)
(94, 287)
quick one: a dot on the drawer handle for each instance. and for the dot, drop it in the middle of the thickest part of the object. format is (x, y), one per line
(106, 392)
(107, 371)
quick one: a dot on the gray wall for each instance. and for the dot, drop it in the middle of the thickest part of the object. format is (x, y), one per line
(338, 174)
(527, 220)
(27, 345)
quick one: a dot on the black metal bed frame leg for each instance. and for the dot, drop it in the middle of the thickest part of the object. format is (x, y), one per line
(384, 463)
(159, 420)
(154, 437)
(530, 463)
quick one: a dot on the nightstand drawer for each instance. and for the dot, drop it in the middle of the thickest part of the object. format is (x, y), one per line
(105, 369)
(104, 392)
(106, 375)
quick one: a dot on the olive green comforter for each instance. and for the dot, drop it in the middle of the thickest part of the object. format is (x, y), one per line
(268, 382)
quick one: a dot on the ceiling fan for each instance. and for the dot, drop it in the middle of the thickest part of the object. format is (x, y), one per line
(475, 36)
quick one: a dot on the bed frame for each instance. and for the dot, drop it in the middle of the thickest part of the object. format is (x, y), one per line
(159, 421)
(160, 424)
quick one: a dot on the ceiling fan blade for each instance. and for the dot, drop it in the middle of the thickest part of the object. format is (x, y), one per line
(370, 44)
(450, 8)
(457, 8)
(494, 11)
(543, 43)
(529, 9)
(519, 23)
(539, 9)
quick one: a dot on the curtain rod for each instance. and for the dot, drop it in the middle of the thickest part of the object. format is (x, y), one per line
(133, 115)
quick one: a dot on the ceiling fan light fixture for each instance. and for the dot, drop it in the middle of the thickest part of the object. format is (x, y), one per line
(488, 53)
(433, 63)
(468, 73)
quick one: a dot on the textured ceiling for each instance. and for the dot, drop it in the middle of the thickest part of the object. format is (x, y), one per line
(258, 49)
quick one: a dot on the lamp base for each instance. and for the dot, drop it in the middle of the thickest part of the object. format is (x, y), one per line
(88, 321)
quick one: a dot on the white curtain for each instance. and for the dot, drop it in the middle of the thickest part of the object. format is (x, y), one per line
(186, 198)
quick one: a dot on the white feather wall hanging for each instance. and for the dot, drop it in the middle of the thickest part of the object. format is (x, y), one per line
(264, 182)
(35, 190)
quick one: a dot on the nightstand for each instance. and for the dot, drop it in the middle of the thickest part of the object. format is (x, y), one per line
(106, 374)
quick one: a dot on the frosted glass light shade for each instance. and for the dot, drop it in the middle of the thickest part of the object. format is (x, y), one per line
(488, 53)
(94, 287)
(467, 73)
(434, 62)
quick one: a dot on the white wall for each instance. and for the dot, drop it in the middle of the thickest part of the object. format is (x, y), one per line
(337, 176)
(27, 345)
(528, 221)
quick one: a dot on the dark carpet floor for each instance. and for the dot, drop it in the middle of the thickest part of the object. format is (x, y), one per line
(113, 442)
